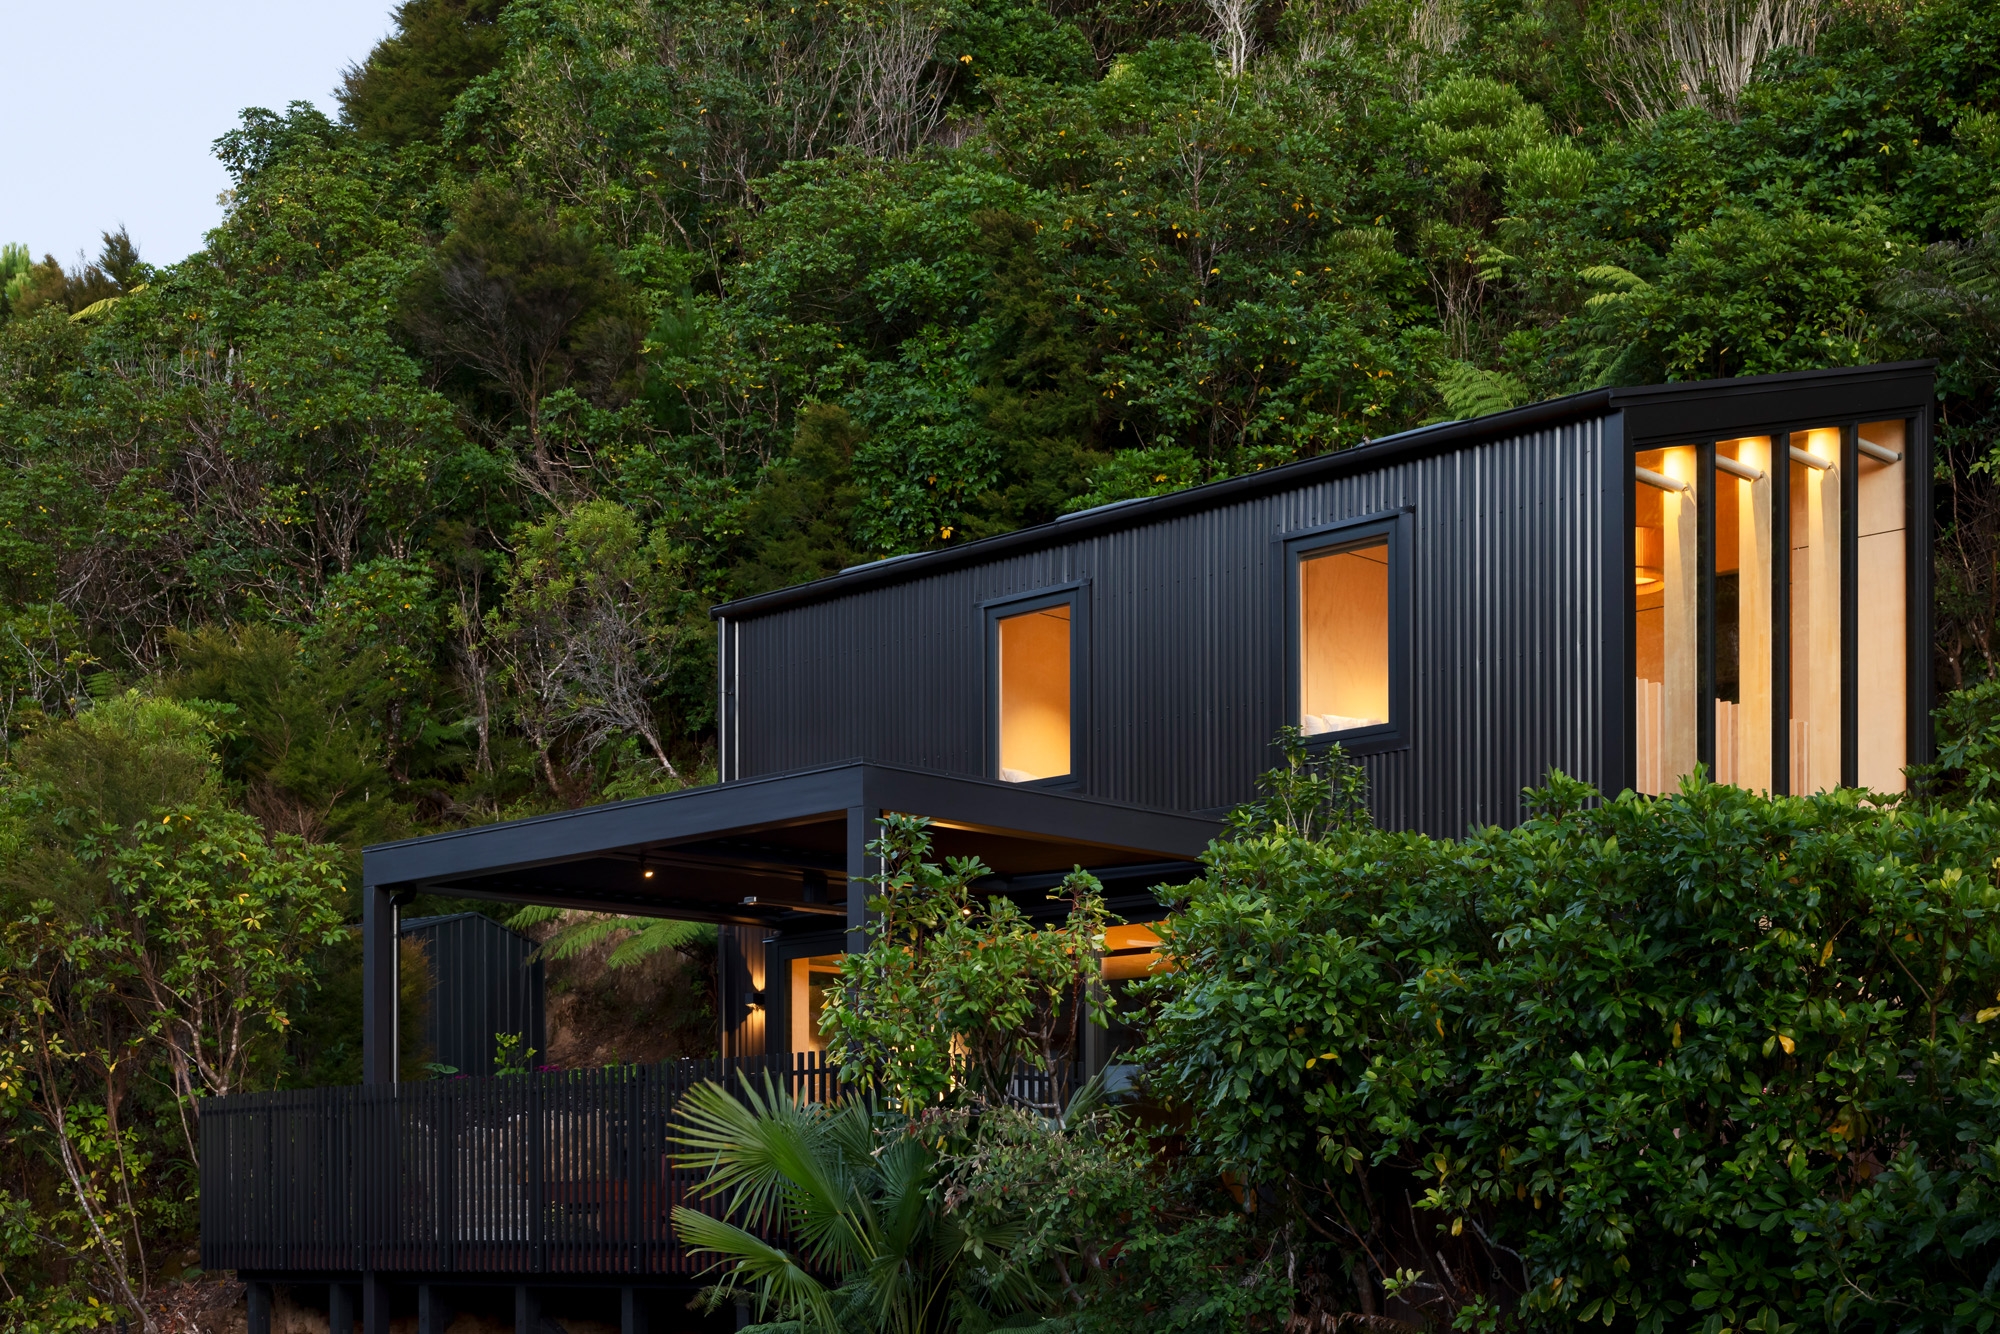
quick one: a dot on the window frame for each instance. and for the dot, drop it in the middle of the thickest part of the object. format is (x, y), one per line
(1326, 539)
(1916, 445)
(1076, 596)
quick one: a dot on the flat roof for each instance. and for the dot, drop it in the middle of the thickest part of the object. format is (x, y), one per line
(742, 851)
(1402, 446)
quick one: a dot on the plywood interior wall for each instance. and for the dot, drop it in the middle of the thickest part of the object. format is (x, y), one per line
(1665, 580)
(1344, 639)
(1034, 695)
(1881, 596)
(1815, 637)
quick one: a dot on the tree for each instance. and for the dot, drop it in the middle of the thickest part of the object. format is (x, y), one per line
(955, 993)
(405, 89)
(588, 637)
(153, 938)
(530, 305)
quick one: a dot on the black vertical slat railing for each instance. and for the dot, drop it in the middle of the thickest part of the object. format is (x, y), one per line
(554, 1172)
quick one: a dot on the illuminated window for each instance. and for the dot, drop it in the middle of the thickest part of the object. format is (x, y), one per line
(1034, 673)
(1742, 613)
(1665, 543)
(1881, 567)
(1771, 626)
(1129, 952)
(1815, 731)
(1344, 637)
(811, 979)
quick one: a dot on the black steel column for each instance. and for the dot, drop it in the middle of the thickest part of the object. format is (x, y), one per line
(1781, 614)
(257, 1303)
(374, 1304)
(379, 985)
(1850, 603)
(861, 831)
(434, 1314)
(340, 1308)
(632, 1312)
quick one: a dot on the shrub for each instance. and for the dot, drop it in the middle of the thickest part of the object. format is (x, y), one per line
(1708, 1060)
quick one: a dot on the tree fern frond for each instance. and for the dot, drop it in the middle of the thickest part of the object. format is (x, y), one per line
(658, 933)
(644, 936)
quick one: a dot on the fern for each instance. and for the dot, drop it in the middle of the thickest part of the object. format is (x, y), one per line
(643, 936)
(1468, 391)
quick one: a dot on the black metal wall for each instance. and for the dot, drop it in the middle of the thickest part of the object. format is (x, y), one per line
(1508, 642)
(485, 981)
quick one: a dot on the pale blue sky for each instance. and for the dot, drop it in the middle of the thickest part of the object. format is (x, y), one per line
(108, 107)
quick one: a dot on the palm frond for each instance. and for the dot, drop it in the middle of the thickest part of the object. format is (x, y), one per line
(770, 1154)
(780, 1280)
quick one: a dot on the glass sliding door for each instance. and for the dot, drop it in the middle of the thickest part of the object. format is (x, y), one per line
(1741, 613)
(1666, 585)
(1815, 733)
(1881, 612)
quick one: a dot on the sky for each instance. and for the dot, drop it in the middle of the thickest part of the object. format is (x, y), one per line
(108, 108)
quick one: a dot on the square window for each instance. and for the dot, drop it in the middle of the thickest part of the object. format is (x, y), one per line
(1344, 656)
(1033, 694)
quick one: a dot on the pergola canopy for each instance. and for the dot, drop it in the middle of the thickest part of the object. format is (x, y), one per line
(776, 852)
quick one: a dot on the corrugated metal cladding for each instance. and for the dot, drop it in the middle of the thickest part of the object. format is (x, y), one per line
(1508, 643)
(485, 981)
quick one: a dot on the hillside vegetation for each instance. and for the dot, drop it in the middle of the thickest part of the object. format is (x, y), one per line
(401, 505)
(586, 315)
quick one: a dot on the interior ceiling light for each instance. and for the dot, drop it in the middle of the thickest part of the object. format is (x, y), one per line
(645, 871)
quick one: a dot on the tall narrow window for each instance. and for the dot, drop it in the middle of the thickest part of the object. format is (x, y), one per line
(1742, 613)
(1665, 542)
(1815, 731)
(1344, 638)
(810, 979)
(1880, 609)
(1034, 694)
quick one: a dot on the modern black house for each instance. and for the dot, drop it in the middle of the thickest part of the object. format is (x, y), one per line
(1622, 584)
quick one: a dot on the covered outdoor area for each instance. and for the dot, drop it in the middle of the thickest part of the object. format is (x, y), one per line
(560, 1185)
(771, 860)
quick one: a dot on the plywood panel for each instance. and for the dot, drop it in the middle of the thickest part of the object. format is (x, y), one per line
(1034, 695)
(1881, 610)
(1668, 602)
(1816, 598)
(1344, 639)
(1744, 548)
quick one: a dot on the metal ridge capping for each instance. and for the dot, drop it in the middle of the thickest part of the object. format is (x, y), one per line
(1369, 453)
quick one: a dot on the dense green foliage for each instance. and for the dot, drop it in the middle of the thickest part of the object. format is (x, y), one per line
(153, 942)
(947, 1189)
(1708, 1060)
(957, 990)
(413, 487)
(591, 312)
